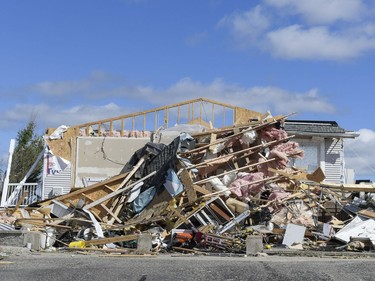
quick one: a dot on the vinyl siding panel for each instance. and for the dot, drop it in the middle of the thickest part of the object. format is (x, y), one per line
(333, 160)
(61, 180)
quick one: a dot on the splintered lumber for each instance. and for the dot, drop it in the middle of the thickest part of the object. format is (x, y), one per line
(258, 127)
(235, 170)
(19, 202)
(246, 184)
(132, 172)
(91, 194)
(367, 213)
(251, 149)
(119, 251)
(115, 193)
(110, 183)
(349, 187)
(120, 200)
(189, 186)
(260, 119)
(115, 239)
(200, 189)
(142, 255)
(181, 249)
(316, 176)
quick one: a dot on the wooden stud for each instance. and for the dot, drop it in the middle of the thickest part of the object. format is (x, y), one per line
(189, 186)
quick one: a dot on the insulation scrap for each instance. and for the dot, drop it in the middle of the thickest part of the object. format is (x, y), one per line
(247, 184)
(271, 133)
(290, 148)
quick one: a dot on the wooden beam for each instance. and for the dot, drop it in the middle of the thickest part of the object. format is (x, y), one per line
(235, 170)
(19, 202)
(349, 187)
(115, 239)
(258, 127)
(116, 192)
(91, 188)
(189, 186)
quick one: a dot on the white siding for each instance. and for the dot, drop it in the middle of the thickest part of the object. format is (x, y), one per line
(61, 180)
(334, 160)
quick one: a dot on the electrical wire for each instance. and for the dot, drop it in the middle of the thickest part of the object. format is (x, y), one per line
(360, 157)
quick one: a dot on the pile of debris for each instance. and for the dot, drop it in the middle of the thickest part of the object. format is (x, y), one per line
(229, 190)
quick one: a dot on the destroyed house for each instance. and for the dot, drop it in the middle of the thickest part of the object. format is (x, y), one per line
(79, 156)
(200, 184)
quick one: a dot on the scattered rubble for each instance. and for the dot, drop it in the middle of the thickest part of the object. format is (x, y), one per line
(229, 190)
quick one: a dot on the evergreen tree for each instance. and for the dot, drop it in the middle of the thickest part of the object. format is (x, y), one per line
(28, 147)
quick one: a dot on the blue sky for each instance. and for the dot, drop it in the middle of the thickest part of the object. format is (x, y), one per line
(69, 62)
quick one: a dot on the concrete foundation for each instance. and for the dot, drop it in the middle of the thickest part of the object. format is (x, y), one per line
(254, 244)
(11, 238)
(144, 243)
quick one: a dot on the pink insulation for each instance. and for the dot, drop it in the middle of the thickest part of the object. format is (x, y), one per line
(278, 195)
(280, 162)
(262, 167)
(281, 159)
(243, 186)
(271, 134)
(291, 148)
(281, 153)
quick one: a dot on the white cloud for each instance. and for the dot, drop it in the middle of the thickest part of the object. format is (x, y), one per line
(309, 29)
(90, 84)
(60, 88)
(55, 115)
(359, 154)
(321, 11)
(247, 25)
(295, 42)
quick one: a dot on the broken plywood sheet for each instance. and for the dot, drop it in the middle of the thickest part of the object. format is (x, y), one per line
(63, 147)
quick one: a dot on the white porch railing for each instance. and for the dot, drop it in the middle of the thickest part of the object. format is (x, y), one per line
(15, 192)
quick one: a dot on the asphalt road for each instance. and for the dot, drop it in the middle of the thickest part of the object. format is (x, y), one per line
(94, 267)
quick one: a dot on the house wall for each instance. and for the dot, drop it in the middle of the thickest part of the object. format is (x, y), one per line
(326, 153)
(103, 157)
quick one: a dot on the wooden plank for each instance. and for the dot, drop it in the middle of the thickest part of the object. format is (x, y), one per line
(201, 189)
(130, 256)
(118, 202)
(316, 176)
(117, 192)
(212, 140)
(367, 213)
(220, 212)
(349, 187)
(19, 202)
(251, 150)
(221, 140)
(92, 188)
(234, 170)
(115, 239)
(98, 212)
(189, 186)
